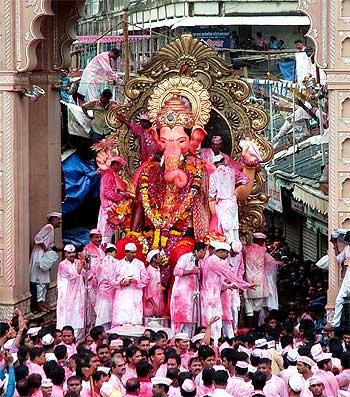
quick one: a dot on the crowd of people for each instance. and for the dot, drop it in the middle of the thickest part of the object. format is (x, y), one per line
(288, 349)
(288, 355)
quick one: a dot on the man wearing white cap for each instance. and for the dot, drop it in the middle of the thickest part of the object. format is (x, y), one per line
(112, 191)
(290, 358)
(208, 154)
(186, 274)
(132, 277)
(153, 298)
(39, 279)
(239, 384)
(255, 256)
(223, 200)
(71, 292)
(96, 254)
(215, 271)
(317, 387)
(182, 343)
(324, 370)
(106, 287)
(304, 367)
(274, 384)
(161, 385)
(230, 299)
(295, 385)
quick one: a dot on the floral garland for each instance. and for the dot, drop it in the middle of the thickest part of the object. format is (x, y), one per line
(162, 227)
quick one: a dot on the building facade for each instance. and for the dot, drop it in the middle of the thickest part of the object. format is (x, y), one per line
(152, 24)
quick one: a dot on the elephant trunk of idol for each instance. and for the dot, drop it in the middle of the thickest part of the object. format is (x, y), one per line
(173, 174)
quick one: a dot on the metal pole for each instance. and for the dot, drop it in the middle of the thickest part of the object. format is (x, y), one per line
(87, 319)
(271, 112)
(321, 130)
(126, 47)
(293, 93)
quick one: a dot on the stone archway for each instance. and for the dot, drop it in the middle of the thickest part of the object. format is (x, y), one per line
(329, 29)
(37, 35)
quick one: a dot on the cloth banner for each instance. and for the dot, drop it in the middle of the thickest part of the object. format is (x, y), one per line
(78, 123)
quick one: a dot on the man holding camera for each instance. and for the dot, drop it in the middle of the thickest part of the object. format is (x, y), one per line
(71, 291)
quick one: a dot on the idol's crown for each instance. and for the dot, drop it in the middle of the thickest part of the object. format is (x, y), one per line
(175, 112)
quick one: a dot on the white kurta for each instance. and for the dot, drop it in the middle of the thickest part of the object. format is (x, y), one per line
(128, 300)
(70, 295)
(45, 236)
(271, 267)
(106, 290)
(222, 186)
(96, 73)
(344, 291)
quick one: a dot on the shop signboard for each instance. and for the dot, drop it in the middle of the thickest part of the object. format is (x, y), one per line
(274, 193)
(217, 39)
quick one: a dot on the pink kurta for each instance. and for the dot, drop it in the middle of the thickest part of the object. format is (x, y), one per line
(96, 73)
(255, 272)
(215, 271)
(57, 391)
(97, 256)
(106, 290)
(128, 302)
(330, 382)
(129, 373)
(112, 188)
(34, 368)
(229, 297)
(343, 379)
(70, 295)
(174, 391)
(276, 385)
(181, 301)
(287, 373)
(205, 390)
(185, 358)
(148, 145)
(237, 387)
(153, 290)
(146, 388)
(237, 266)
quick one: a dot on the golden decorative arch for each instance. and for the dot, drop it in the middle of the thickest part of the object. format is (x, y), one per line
(179, 63)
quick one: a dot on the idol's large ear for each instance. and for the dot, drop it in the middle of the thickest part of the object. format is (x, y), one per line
(155, 136)
(197, 137)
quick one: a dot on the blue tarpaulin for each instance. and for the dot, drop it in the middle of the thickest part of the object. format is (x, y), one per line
(78, 236)
(288, 70)
(81, 180)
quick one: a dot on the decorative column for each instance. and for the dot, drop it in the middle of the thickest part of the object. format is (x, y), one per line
(330, 30)
(14, 195)
(36, 38)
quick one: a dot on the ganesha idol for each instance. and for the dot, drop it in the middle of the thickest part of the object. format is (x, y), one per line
(172, 200)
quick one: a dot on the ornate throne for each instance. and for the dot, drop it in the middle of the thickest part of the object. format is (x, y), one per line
(231, 110)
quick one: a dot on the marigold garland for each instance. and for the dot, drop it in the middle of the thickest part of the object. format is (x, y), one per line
(193, 166)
